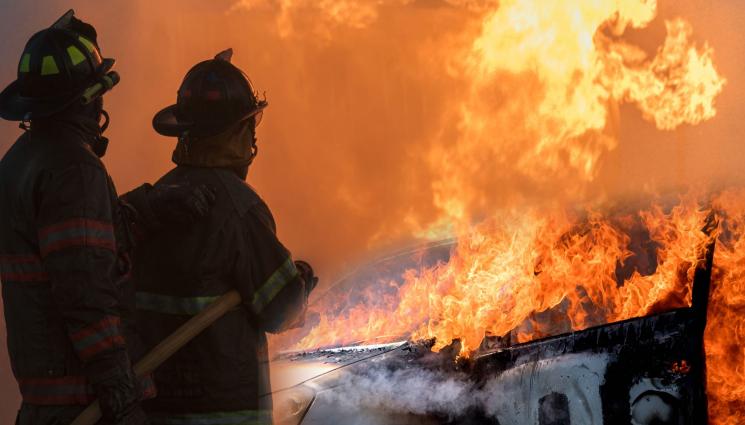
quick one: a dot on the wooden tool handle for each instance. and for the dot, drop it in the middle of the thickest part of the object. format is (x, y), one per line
(169, 346)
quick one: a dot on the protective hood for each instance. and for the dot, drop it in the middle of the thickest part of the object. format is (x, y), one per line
(231, 148)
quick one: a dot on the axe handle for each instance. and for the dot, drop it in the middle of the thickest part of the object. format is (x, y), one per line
(169, 346)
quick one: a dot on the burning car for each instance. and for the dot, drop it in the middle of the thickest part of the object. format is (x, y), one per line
(642, 370)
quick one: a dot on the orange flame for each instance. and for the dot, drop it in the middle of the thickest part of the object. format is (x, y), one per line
(508, 269)
(542, 83)
(544, 78)
(515, 265)
(725, 330)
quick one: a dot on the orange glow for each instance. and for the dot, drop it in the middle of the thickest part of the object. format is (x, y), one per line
(512, 266)
(544, 78)
(725, 331)
(507, 124)
(542, 82)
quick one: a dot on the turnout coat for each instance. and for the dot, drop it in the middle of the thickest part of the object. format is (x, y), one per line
(220, 376)
(64, 268)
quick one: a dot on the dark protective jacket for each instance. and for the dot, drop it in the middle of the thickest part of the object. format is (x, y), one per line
(177, 274)
(64, 269)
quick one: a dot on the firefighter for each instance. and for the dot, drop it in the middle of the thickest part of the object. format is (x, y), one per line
(220, 376)
(66, 238)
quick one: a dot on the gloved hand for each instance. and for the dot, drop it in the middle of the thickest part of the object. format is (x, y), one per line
(160, 205)
(181, 204)
(117, 389)
(306, 272)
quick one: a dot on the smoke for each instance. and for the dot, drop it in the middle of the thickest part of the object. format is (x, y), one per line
(410, 390)
(382, 394)
(411, 387)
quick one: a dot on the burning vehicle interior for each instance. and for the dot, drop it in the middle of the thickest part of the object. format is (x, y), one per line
(556, 366)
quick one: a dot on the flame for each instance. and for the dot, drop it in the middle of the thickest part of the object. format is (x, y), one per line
(725, 330)
(544, 79)
(512, 266)
(542, 83)
(565, 64)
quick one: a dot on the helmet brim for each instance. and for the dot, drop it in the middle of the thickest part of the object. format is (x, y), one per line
(167, 123)
(15, 107)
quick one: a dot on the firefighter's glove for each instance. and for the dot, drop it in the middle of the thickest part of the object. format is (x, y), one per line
(178, 204)
(117, 390)
(306, 272)
(181, 204)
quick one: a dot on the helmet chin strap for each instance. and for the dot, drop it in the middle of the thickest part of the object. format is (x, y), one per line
(95, 111)
(106, 120)
(100, 144)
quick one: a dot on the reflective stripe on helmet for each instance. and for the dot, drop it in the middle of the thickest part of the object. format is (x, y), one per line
(25, 63)
(92, 48)
(49, 66)
(87, 43)
(76, 56)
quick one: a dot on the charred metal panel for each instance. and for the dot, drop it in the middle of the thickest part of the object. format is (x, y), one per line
(639, 364)
(640, 371)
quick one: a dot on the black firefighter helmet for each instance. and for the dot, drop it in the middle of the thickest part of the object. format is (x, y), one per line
(214, 95)
(60, 65)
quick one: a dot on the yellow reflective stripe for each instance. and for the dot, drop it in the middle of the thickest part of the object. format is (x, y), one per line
(92, 48)
(281, 277)
(87, 43)
(25, 63)
(76, 56)
(49, 66)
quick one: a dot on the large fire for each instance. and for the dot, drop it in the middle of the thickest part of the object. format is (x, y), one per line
(567, 65)
(725, 332)
(517, 264)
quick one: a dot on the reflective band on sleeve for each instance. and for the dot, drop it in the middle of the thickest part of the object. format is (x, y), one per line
(78, 232)
(25, 65)
(167, 304)
(281, 277)
(49, 66)
(97, 337)
(76, 56)
(22, 268)
(239, 417)
(61, 390)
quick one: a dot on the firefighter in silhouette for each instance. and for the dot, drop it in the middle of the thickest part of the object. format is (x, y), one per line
(220, 376)
(66, 238)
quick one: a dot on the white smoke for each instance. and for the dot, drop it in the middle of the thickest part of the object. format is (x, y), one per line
(411, 390)
(522, 394)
